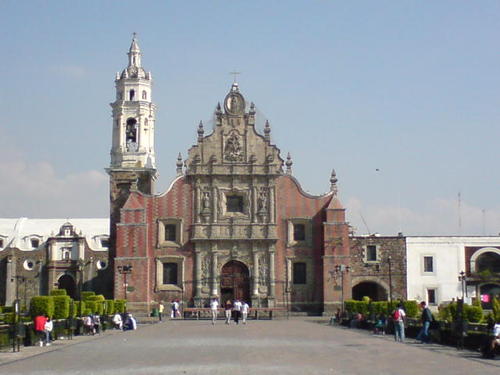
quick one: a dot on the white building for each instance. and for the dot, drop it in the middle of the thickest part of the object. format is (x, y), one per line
(434, 265)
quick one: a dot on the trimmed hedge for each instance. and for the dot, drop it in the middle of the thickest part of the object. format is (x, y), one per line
(120, 306)
(61, 306)
(42, 305)
(376, 308)
(473, 314)
(109, 305)
(87, 294)
(73, 309)
(58, 292)
(80, 308)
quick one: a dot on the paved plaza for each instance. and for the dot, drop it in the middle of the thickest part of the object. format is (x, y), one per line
(296, 346)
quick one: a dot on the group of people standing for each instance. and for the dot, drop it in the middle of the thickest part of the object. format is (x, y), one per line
(232, 309)
(399, 320)
(43, 325)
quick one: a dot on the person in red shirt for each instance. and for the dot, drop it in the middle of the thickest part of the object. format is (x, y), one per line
(39, 323)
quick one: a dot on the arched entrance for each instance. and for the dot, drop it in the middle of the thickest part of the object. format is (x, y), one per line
(66, 282)
(369, 289)
(235, 282)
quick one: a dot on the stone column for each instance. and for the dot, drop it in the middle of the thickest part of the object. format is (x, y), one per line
(198, 274)
(197, 204)
(10, 281)
(255, 273)
(215, 287)
(272, 281)
(271, 205)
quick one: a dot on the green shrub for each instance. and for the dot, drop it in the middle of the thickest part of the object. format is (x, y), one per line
(85, 295)
(91, 305)
(109, 306)
(496, 309)
(8, 309)
(42, 305)
(473, 314)
(79, 308)
(73, 308)
(61, 306)
(58, 292)
(120, 306)
(87, 312)
(411, 308)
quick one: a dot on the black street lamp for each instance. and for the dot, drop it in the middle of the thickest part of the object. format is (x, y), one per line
(340, 269)
(125, 270)
(463, 280)
(389, 262)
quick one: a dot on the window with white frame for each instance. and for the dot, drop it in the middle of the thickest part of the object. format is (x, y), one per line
(35, 242)
(299, 232)
(428, 264)
(169, 273)
(371, 253)
(169, 232)
(432, 296)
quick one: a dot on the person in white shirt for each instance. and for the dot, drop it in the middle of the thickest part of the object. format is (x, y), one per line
(117, 321)
(496, 336)
(398, 317)
(237, 311)
(244, 311)
(49, 326)
(214, 306)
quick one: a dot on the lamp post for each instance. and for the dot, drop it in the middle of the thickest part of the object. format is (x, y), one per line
(389, 262)
(125, 270)
(341, 269)
(463, 280)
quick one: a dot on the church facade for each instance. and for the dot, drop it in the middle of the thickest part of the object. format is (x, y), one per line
(234, 223)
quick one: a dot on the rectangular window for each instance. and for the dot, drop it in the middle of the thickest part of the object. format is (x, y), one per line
(428, 264)
(234, 203)
(371, 253)
(170, 273)
(431, 296)
(170, 232)
(35, 243)
(299, 273)
(299, 232)
(1, 242)
(104, 242)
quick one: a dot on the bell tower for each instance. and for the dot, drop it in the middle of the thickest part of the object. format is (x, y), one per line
(133, 165)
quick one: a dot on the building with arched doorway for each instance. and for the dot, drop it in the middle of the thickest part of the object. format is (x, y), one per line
(235, 223)
(38, 255)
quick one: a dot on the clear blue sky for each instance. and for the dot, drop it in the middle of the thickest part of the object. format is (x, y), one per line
(410, 88)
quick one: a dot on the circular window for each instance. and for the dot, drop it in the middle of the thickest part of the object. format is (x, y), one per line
(29, 264)
(101, 264)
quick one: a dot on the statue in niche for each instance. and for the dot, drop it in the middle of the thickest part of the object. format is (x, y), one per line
(233, 151)
(206, 201)
(262, 200)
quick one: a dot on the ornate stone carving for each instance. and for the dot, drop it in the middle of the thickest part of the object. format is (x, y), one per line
(263, 270)
(262, 201)
(233, 150)
(205, 271)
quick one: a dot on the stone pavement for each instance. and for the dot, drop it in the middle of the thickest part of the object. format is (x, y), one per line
(296, 346)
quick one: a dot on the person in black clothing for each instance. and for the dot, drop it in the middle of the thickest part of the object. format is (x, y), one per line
(427, 318)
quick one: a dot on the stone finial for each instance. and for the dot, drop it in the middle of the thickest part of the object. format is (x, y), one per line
(134, 186)
(288, 164)
(179, 164)
(267, 131)
(218, 110)
(252, 109)
(117, 77)
(333, 183)
(201, 131)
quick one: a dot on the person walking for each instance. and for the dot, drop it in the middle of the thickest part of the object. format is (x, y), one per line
(48, 327)
(214, 306)
(423, 335)
(398, 317)
(244, 311)
(228, 308)
(161, 308)
(39, 325)
(237, 311)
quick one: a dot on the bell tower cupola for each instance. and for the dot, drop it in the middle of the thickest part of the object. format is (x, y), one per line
(133, 115)
(133, 165)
